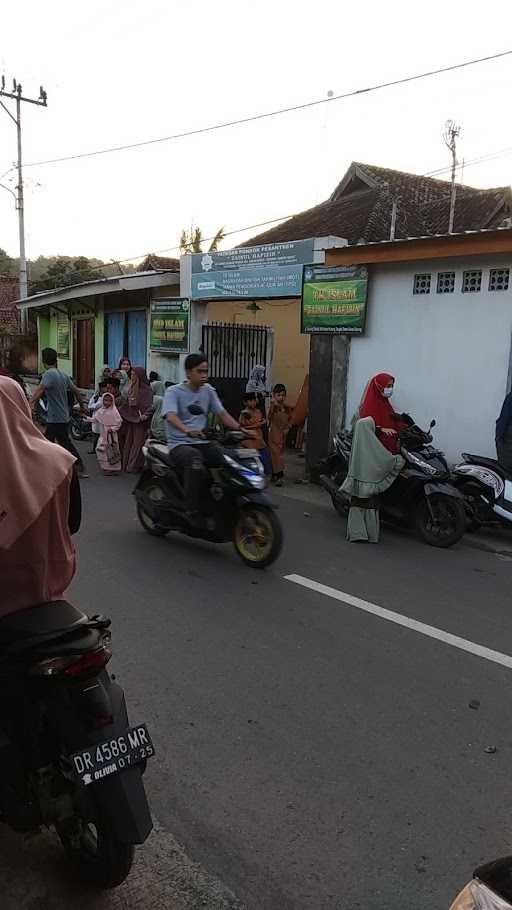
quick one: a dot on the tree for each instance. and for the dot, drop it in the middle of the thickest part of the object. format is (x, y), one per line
(63, 271)
(7, 265)
(191, 241)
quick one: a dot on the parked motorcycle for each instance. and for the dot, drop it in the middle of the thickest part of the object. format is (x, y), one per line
(420, 497)
(233, 507)
(79, 428)
(490, 888)
(68, 757)
(486, 489)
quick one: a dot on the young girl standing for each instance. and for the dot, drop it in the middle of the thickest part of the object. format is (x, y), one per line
(279, 417)
(109, 421)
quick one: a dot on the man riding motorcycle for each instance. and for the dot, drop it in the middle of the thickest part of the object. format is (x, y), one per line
(185, 409)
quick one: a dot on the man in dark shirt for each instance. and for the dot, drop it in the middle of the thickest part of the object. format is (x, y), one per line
(56, 385)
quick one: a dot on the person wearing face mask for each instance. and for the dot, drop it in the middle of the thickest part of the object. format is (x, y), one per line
(376, 403)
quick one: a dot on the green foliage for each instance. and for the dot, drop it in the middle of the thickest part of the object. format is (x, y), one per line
(191, 241)
(63, 271)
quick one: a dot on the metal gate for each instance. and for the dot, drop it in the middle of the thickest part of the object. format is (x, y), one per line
(232, 350)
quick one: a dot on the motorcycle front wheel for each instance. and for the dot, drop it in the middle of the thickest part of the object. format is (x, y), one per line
(156, 494)
(445, 525)
(94, 848)
(257, 536)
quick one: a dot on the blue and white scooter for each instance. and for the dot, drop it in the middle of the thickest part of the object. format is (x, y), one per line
(487, 490)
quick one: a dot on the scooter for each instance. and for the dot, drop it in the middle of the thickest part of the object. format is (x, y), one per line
(68, 756)
(233, 507)
(420, 497)
(486, 488)
(490, 888)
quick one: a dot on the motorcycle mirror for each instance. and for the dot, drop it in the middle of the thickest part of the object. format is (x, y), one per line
(432, 424)
(195, 409)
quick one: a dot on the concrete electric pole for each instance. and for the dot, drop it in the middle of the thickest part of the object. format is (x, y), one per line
(450, 135)
(17, 96)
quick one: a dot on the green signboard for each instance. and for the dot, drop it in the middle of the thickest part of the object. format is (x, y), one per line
(63, 336)
(170, 325)
(334, 300)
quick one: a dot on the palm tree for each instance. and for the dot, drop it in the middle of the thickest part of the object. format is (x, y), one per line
(191, 241)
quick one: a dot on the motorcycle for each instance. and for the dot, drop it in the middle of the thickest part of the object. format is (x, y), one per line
(490, 888)
(233, 507)
(420, 497)
(79, 428)
(486, 489)
(68, 757)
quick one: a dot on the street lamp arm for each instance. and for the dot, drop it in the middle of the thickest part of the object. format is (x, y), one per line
(4, 187)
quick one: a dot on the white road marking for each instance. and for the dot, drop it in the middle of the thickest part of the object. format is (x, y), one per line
(446, 637)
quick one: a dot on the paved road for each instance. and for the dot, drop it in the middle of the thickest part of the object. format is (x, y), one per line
(312, 756)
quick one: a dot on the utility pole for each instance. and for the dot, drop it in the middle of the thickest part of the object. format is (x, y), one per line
(17, 96)
(450, 135)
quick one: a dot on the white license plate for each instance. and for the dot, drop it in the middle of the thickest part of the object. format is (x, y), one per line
(113, 755)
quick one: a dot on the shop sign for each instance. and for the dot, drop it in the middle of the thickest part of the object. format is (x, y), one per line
(334, 300)
(170, 326)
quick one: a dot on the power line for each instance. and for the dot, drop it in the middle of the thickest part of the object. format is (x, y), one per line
(276, 113)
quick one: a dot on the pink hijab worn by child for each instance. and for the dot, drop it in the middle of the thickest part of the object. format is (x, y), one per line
(108, 418)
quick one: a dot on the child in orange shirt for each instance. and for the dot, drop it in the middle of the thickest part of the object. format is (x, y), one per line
(251, 419)
(279, 419)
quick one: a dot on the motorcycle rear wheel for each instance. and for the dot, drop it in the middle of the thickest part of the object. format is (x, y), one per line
(94, 848)
(449, 524)
(257, 536)
(155, 492)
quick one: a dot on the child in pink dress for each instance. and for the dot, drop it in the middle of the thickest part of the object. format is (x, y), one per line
(109, 422)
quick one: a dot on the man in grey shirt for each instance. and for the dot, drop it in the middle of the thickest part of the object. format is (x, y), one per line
(185, 409)
(56, 385)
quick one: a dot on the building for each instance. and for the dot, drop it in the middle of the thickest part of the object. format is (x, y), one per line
(9, 316)
(439, 318)
(98, 322)
(370, 204)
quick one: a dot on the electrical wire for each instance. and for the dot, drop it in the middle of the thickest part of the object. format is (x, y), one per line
(268, 114)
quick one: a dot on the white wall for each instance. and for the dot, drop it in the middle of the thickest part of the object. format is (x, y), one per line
(449, 352)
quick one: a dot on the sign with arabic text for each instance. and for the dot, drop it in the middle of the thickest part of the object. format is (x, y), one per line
(170, 326)
(334, 300)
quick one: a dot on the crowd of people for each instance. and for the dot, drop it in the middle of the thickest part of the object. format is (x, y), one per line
(127, 407)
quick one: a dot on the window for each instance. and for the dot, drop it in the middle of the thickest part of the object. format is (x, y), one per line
(445, 282)
(499, 279)
(422, 283)
(472, 281)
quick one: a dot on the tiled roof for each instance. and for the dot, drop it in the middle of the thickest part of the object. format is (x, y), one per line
(154, 263)
(360, 208)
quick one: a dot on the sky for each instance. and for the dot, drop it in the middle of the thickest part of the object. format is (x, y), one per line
(122, 71)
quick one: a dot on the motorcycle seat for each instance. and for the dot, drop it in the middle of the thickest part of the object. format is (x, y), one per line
(55, 618)
(160, 451)
(490, 463)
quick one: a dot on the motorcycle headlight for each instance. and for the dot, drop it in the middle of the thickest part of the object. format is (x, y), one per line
(477, 896)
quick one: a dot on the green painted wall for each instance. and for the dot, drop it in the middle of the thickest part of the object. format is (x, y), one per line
(47, 338)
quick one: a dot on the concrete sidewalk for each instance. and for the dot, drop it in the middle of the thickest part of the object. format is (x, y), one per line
(36, 876)
(494, 539)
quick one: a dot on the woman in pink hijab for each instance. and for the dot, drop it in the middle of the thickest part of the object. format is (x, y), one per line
(39, 509)
(109, 422)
